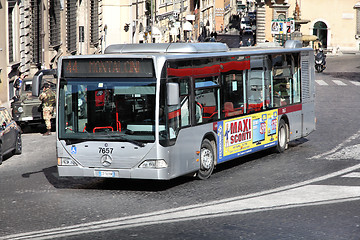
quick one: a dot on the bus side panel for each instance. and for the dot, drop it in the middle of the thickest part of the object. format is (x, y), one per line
(294, 115)
(244, 135)
(308, 119)
(183, 156)
(308, 92)
(295, 124)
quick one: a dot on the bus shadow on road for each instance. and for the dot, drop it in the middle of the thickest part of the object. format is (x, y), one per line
(255, 156)
(52, 176)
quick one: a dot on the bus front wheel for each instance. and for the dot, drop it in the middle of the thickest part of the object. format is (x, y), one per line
(283, 137)
(207, 160)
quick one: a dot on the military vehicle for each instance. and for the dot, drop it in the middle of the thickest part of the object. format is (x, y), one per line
(27, 109)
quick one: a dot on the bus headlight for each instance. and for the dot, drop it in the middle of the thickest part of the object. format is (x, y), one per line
(66, 162)
(20, 110)
(154, 163)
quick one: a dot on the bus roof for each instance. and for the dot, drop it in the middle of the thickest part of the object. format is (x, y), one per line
(167, 48)
(189, 50)
(199, 48)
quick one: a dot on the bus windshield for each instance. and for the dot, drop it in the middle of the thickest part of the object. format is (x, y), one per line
(112, 109)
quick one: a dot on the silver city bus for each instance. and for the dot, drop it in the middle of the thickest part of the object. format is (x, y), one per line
(159, 111)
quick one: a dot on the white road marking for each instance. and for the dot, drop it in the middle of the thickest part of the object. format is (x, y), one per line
(296, 195)
(339, 83)
(335, 149)
(352, 175)
(349, 152)
(321, 82)
(355, 83)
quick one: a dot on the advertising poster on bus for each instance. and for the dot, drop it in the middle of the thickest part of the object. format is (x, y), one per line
(244, 135)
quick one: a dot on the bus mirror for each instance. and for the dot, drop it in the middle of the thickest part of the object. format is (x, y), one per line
(36, 84)
(37, 80)
(173, 97)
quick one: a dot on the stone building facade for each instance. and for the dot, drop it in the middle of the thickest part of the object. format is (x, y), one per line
(36, 33)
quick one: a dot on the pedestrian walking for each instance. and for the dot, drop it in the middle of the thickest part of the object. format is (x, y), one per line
(17, 84)
(48, 100)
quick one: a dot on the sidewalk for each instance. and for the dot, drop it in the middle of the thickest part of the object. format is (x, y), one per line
(330, 52)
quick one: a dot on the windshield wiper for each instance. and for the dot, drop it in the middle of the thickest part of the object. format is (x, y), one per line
(74, 141)
(137, 143)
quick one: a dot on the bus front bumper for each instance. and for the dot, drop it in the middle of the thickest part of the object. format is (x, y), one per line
(135, 173)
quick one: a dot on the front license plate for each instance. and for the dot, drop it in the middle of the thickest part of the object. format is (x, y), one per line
(108, 174)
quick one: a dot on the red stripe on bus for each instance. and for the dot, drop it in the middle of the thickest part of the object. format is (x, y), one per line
(235, 65)
(174, 114)
(289, 109)
(214, 69)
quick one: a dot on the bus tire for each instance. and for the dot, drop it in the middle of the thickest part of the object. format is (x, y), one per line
(207, 160)
(283, 137)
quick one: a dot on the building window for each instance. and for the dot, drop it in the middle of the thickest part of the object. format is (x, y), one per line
(36, 30)
(11, 31)
(71, 37)
(94, 34)
(358, 21)
(54, 21)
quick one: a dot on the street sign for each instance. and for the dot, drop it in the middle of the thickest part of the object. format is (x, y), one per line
(285, 26)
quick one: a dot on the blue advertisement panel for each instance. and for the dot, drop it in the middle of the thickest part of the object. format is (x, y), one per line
(248, 134)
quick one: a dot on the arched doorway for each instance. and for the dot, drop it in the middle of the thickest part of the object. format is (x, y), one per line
(321, 31)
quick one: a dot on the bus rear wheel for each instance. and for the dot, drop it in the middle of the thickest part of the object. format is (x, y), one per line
(283, 137)
(207, 160)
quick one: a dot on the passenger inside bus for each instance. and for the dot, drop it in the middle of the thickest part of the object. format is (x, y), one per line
(282, 94)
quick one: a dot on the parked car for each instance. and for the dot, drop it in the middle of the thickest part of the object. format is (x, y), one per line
(10, 134)
(245, 23)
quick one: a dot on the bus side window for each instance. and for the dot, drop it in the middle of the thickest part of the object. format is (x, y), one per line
(282, 79)
(255, 93)
(184, 99)
(259, 84)
(206, 99)
(233, 94)
(179, 115)
(296, 79)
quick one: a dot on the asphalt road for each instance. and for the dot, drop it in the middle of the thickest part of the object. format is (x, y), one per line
(311, 191)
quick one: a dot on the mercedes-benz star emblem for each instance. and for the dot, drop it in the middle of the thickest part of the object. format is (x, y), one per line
(106, 160)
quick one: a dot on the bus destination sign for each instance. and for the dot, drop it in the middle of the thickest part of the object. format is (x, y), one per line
(107, 67)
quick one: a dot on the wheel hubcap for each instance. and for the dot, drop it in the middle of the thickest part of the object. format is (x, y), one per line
(282, 137)
(206, 158)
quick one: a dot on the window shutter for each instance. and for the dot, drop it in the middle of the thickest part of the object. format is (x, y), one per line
(94, 34)
(54, 22)
(357, 21)
(11, 33)
(36, 29)
(71, 36)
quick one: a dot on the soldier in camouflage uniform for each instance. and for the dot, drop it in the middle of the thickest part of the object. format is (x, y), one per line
(48, 98)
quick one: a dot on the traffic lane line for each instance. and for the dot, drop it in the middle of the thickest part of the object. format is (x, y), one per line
(296, 195)
(352, 175)
(321, 82)
(339, 82)
(355, 83)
